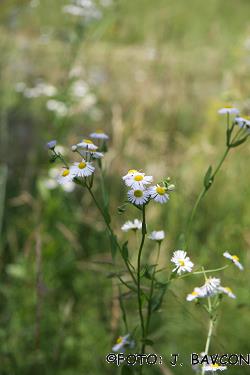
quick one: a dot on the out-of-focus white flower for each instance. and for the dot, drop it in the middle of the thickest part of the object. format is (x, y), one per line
(65, 176)
(159, 193)
(20, 86)
(228, 291)
(74, 10)
(234, 258)
(138, 180)
(51, 144)
(34, 3)
(79, 88)
(182, 262)
(50, 183)
(69, 186)
(82, 169)
(196, 293)
(132, 225)
(214, 367)
(157, 235)
(99, 134)
(56, 106)
(88, 144)
(122, 343)
(138, 197)
(228, 110)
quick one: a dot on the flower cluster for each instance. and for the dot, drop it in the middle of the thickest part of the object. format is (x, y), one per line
(242, 122)
(213, 285)
(141, 192)
(88, 151)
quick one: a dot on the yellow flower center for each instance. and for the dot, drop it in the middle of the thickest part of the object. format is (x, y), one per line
(65, 173)
(194, 293)
(181, 262)
(247, 117)
(88, 141)
(138, 193)
(160, 190)
(82, 165)
(234, 257)
(228, 106)
(119, 340)
(138, 178)
(215, 365)
(229, 290)
(131, 171)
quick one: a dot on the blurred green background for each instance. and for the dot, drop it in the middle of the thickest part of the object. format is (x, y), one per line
(152, 74)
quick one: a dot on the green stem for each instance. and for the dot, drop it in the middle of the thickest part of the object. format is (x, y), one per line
(111, 232)
(202, 194)
(209, 336)
(151, 293)
(139, 277)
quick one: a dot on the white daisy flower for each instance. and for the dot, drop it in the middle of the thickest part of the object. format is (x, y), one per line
(196, 293)
(228, 110)
(138, 196)
(122, 342)
(82, 169)
(88, 144)
(130, 174)
(214, 367)
(138, 180)
(99, 134)
(182, 262)
(65, 176)
(234, 258)
(159, 193)
(132, 225)
(157, 235)
(227, 291)
(211, 286)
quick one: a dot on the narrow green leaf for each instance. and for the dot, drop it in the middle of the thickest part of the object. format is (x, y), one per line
(207, 179)
(113, 244)
(125, 250)
(239, 142)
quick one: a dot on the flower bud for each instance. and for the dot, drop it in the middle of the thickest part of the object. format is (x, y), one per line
(171, 187)
(51, 145)
(74, 148)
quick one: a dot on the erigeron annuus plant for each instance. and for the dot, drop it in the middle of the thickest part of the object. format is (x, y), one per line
(144, 280)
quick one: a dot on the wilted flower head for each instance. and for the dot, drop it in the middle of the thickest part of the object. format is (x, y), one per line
(182, 262)
(234, 258)
(157, 235)
(132, 225)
